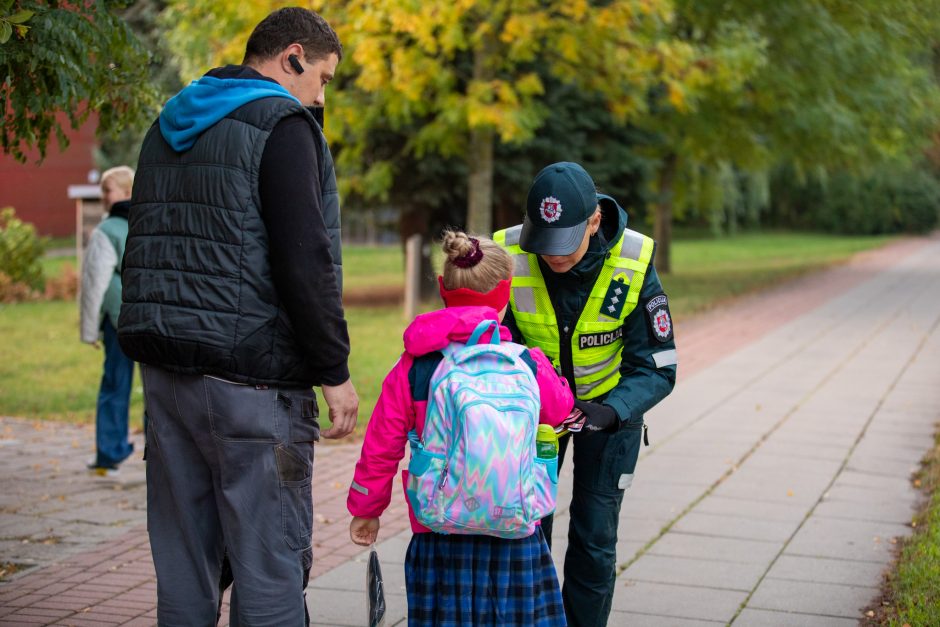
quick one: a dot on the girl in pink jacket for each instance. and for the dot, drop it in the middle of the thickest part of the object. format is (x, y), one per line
(457, 580)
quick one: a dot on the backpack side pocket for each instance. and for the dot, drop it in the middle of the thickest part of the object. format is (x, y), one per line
(424, 470)
(545, 488)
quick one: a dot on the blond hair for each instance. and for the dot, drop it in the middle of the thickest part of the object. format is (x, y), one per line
(494, 266)
(122, 175)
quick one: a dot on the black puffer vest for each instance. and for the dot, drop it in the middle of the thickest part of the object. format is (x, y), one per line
(198, 293)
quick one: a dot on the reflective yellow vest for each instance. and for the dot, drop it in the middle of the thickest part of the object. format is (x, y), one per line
(596, 343)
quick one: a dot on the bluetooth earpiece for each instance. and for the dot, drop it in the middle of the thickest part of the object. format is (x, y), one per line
(294, 63)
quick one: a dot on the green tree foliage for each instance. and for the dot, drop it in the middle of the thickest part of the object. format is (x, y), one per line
(468, 77)
(431, 193)
(68, 59)
(203, 35)
(830, 85)
(143, 18)
(437, 107)
(444, 103)
(579, 128)
(461, 78)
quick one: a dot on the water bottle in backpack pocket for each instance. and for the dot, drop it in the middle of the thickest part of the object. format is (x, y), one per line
(475, 469)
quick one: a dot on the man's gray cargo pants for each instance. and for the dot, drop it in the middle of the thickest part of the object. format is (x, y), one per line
(229, 470)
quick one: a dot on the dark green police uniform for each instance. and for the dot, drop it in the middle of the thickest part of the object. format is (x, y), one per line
(605, 324)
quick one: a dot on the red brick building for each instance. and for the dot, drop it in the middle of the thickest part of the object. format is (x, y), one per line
(39, 192)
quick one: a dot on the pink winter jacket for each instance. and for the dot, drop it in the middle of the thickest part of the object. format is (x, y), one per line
(396, 412)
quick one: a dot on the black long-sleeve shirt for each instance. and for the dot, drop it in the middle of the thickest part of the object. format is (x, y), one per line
(301, 263)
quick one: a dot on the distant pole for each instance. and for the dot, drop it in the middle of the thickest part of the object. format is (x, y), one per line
(412, 275)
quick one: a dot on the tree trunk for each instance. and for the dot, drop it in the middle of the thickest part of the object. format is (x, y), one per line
(411, 221)
(480, 150)
(507, 213)
(480, 182)
(662, 226)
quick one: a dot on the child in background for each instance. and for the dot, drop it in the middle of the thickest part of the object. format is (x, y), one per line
(457, 579)
(100, 307)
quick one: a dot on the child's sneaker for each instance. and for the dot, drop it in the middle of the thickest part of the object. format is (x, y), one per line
(104, 471)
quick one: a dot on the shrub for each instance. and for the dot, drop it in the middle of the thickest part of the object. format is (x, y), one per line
(856, 206)
(895, 200)
(20, 253)
(917, 198)
(63, 286)
(13, 292)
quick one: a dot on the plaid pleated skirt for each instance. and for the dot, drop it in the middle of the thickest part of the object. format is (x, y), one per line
(478, 581)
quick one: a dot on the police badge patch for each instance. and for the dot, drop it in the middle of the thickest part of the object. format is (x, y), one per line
(657, 310)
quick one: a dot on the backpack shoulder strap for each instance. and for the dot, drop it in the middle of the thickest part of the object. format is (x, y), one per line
(526, 357)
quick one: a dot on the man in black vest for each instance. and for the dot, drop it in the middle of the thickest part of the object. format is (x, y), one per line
(232, 304)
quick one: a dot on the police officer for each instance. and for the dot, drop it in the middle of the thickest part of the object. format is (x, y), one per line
(585, 291)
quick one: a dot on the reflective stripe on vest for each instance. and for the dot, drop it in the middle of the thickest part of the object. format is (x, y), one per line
(596, 368)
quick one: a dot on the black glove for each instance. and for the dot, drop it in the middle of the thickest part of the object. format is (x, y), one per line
(599, 416)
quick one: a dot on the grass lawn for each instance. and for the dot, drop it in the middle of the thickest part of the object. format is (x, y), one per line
(58, 243)
(912, 593)
(710, 270)
(365, 266)
(45, 372)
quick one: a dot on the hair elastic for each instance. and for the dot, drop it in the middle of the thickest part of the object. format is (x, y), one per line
(472, 258)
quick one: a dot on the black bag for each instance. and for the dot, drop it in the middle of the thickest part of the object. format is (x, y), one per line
(376, 590)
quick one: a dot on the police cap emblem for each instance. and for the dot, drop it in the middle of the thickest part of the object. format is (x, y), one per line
(550, 208)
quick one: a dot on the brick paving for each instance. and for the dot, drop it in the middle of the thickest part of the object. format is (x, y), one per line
(81, 541)
(82, 545)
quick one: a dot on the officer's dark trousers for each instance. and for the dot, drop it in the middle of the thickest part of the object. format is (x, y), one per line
(229, 469)
(603, 465)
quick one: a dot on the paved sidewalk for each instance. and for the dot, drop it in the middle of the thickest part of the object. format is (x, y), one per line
(773, 493)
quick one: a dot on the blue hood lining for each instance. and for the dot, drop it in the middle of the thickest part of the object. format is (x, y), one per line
(204, 102)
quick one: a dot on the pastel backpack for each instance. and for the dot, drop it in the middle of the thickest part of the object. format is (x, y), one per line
(475, 468)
